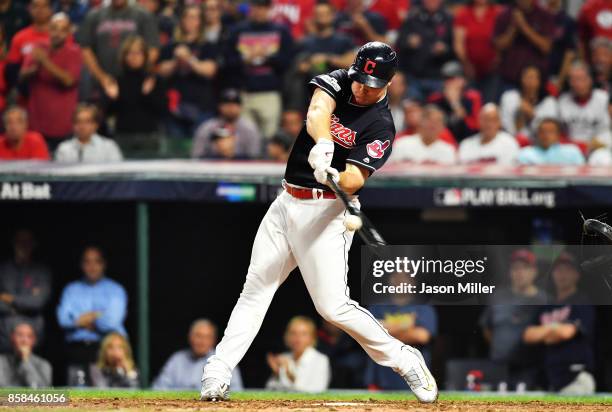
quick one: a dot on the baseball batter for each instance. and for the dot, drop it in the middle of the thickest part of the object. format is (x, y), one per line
(348, 134)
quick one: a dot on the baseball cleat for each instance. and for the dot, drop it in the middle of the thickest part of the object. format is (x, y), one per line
(417, 376)
(214, 390)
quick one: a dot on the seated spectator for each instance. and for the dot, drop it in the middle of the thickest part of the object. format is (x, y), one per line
(491, 144)
(138, 100)
(523, 37)
(585, 110)
(189, 63)
(425, 146)
(566, 332)
(89, 309)
(248, 139)
(549, 150)
(303, 368)
(17, 143)
(360, 24)
(104, 32)
(472, 33)
(413, 324)
(322, 51)
(279, 147)
(600, 157)
(21, 367)
(115, 367)
(292, 122)
(224, 144)
(183, 370)
(25, 287)
(522, 108)
(52, 72)
(258, 53)
(601, 63)
(509, 314)
(424, 44)
(460, 104)
(413, 115)
(87, 146)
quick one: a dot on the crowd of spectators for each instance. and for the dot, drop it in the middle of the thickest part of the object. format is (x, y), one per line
(543, 336)
(229, 78)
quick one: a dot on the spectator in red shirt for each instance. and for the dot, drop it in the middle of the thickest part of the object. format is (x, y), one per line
(460, 104)
(52, 72)
(594, 21)
(413, 115)
(473, 30)
(293, 14)
(17, 143)
(24, 40)
(523, 36)
(360, 24)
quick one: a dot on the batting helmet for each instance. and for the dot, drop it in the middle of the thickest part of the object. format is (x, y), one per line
(374, 65)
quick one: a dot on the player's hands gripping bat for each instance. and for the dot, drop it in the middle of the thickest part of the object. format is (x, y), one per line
(360, 222)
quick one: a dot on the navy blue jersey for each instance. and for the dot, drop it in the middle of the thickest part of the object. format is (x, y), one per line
(363, 135)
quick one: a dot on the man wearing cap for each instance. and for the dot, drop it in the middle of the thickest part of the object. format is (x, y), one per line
(347, 137)
(248, 142)
(566, 331)
(257, 55)
(511, 311)
(460, 104)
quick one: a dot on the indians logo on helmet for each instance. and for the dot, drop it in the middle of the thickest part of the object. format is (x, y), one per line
(369, 67)
(376, 149)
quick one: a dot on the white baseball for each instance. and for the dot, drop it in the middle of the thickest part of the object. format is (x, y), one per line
(352, 222)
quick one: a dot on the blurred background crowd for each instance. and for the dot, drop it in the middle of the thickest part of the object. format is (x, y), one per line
(514, 82)
(539, 335)
(510, 82)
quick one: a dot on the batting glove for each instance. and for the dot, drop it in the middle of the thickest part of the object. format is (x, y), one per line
(321, 154)
(321, 175)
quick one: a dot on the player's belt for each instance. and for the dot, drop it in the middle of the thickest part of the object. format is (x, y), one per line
(305, 193)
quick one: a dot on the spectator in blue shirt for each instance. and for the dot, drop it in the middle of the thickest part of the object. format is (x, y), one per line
(89, 309)
(183, 370)
(412, 324)
(550, 151)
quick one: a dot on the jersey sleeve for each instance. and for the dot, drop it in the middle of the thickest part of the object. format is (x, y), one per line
(373, 148)
(335, 83)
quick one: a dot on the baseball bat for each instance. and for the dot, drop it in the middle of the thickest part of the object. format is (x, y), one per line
(367, 232)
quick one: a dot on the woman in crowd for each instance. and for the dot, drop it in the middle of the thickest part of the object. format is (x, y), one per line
(115, 367)
(189, 64)
(138, 100)
(303, 368)
(472, 33)
(521, 108)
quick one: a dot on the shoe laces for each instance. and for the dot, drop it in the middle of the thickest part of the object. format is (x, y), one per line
(414, 378)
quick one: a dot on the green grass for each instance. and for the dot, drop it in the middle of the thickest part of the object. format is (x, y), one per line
(82, 394)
